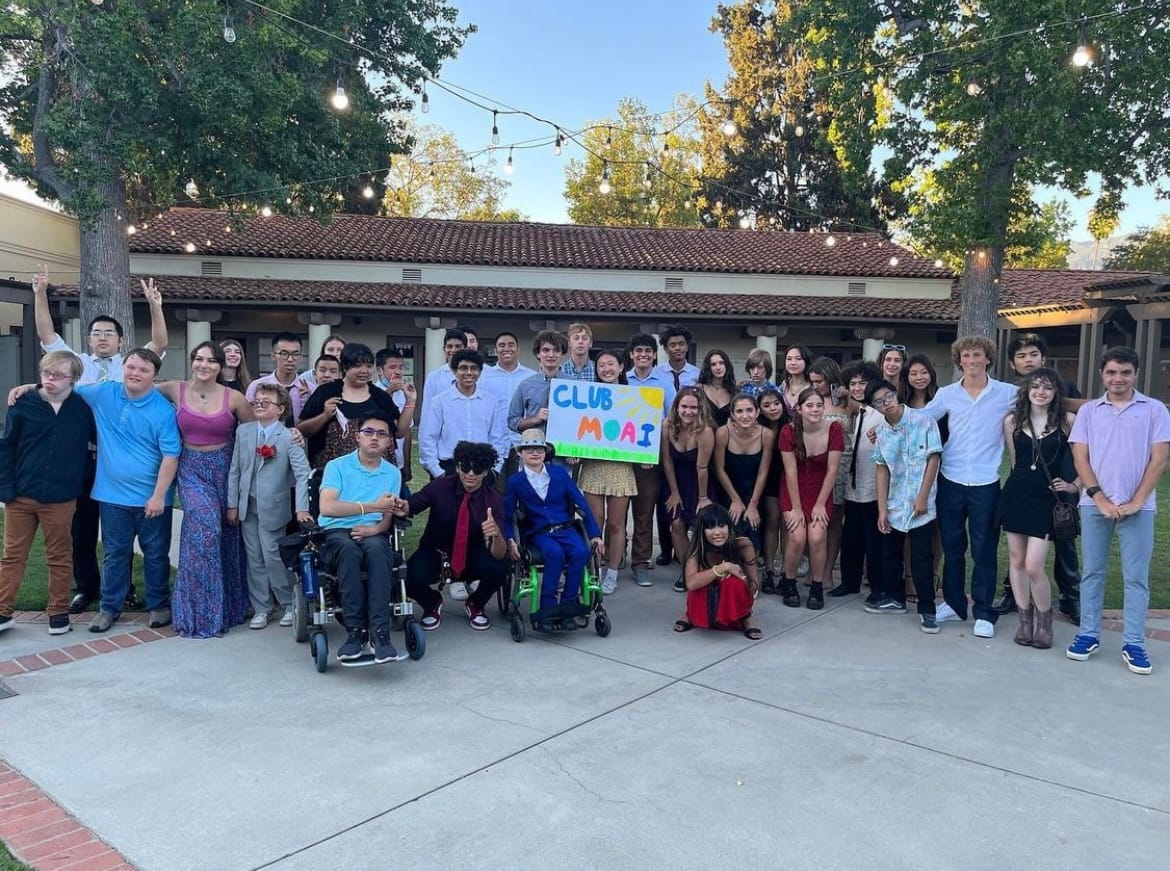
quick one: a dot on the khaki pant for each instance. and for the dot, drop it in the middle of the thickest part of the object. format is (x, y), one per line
(642, 506)
(21, 518)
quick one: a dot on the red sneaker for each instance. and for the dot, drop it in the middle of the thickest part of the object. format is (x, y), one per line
(479, 620)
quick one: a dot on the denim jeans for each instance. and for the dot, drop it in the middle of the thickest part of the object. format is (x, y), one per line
(120, 525)
(1135, 535)
(963, 510)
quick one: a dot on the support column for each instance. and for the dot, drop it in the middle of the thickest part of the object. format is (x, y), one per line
(318, 333)
(766, 336)
(197, 331)
(768, 343)
(71, 333)
(871, 348)
(433, 355)
(1090, 384)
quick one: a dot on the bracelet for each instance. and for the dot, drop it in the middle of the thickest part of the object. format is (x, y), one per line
(753, 502)
(362, 507)
(406, 407)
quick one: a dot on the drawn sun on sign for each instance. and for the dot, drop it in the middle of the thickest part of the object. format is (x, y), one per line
(642, 409)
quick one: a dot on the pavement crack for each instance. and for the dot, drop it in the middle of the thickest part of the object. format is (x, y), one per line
(492, 719)
(577, 780)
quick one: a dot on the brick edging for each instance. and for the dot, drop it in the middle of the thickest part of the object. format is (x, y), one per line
(82, 650)
(39, 832)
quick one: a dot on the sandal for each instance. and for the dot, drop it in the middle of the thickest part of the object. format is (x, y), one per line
(753, 633)
(683, 626)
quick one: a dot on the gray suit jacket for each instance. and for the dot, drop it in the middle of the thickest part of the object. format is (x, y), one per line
(272, 479)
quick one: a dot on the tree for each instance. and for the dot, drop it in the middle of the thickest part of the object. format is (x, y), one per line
(436, 180)
(118, 109)
(787, 164)
(984, 93)
(649, 163)
(1147, 250)
(1104, 219)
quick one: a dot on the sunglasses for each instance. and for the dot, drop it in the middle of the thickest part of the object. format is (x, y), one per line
(473, 470)
(901, 348)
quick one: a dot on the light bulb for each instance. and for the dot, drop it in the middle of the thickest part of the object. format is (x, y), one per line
(728, 127)
(974, 89)
(799, 131)
(189, 247)
(1082, 57)
(893, 261)
(229, 30)
(509, 167)
(191, 190)
(608, 136)
(495, 128)
(131, 230)
(938, 264)
(426, 101)
(368, 192)
(604, 186)
(830, 241)
(340, 99)
(97, 2)
(557, 144)
(266, 212)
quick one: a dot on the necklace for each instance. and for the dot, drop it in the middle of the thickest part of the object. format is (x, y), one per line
(1037, 448)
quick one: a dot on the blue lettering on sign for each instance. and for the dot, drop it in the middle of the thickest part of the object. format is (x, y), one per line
(583, 396)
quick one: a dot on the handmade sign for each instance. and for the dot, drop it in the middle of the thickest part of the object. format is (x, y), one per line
(605, 421)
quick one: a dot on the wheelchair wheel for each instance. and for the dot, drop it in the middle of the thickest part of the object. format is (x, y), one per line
(300, 613)
(516, 627)
(319, 647)
(601, 624)
(416, 639)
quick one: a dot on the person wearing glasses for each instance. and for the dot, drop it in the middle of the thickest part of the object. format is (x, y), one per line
(463, 413)
(359, 495)
(265, 458)
(103, 362)
(286, 360)
(462, 524)
(210, 592)
(43, 460)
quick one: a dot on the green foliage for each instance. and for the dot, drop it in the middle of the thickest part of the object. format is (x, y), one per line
(793, 161)
(1147, 250)
(991, 106)
(435, 181)
(649, 186)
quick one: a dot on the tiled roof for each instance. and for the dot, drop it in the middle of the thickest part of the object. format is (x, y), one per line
(427, 297)
(482, 243)
(1033, 288)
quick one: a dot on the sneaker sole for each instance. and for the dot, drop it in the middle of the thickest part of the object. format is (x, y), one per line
(929, 630)
(397, 657)
(1080, 657)
(1136, 669)
(350, 657)
(60, 630)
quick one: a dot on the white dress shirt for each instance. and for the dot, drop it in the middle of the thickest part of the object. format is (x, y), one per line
(974, 448)
(452, 417)
(502, 384)
(539, 480)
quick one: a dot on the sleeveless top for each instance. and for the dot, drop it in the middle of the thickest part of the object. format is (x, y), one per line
(200, 430)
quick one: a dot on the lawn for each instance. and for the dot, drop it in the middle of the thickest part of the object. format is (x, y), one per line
(7, 863)
(33, 594)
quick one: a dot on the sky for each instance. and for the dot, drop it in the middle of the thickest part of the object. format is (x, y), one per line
(573, 62)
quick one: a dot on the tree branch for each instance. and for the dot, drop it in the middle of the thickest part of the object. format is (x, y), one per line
(44, 165)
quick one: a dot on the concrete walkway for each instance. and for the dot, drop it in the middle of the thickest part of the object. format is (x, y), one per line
(842, 740)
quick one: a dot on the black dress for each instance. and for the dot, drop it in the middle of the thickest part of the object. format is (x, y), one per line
(1026, 501)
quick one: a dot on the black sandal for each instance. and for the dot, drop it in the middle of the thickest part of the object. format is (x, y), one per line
(753, 633)
(683, 626)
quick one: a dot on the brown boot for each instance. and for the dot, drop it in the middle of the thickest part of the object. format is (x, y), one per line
(1024, 633)
(1042, 637)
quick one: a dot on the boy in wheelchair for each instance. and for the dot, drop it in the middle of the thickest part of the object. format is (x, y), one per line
(546, 496)
(358, 498)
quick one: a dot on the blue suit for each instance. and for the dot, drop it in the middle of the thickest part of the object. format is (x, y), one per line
(563, 549)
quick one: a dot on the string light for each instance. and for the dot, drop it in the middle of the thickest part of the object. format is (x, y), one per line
(368, 192)
(340, 99)
(799, 131)
(266, 212)
(893, 261)
(191, 189)
(648, 182)
(729, 127)
(131, 230)
(830, 241)
(495, 127)
(509, 167)
(229, 30)
(426, 101)
(189, 247)
(558, 143)
(1083, 56)
(608, 137)
(604, 187)
(974, 89)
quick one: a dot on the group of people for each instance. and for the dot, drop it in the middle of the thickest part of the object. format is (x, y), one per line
(760, 480)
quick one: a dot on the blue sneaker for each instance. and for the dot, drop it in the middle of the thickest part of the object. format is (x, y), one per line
(1134, 656)
(1082, 648)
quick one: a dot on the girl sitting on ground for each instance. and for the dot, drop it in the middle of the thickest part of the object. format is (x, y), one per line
(721, 578)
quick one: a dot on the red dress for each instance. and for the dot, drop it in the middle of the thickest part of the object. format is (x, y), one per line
(810, 475)
(722, 604)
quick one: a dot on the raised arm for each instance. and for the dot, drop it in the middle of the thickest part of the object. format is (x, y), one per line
(158, 322)
(44, 320)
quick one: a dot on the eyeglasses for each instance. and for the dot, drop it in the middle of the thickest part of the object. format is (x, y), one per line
(901, 348)
(467, 370)
(531, 448)
(46, 375)
(887, 399)
(287, 355)
(263, 403)
(103, 334)
(374, 433)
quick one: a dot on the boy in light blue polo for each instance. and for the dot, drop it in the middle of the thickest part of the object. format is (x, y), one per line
(1120, 443)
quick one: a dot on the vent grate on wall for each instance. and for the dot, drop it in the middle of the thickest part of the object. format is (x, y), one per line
(211, 267)
(857, 288)
(674, 283)
(412, 275)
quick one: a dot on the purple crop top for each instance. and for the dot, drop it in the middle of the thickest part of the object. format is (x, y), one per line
(201, 430)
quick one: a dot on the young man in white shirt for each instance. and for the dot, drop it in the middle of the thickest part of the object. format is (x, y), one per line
(442, 378)
(502, 380)
(968, 481)
(465, 413)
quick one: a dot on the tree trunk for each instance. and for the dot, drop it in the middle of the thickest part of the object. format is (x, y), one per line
(105, 262)
(979, 289)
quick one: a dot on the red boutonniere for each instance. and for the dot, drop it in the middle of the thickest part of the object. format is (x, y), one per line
(266, 452)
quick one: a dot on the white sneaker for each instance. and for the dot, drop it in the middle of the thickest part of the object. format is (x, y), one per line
(259, 621)
(944, 613)
(458, 591)
(984, 629)
(803, 570)
(287, 619)
(609, 583)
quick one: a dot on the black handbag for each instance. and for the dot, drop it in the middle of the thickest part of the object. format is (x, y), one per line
(1066, 518)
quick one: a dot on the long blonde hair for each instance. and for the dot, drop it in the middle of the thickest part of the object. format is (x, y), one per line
(674, 424)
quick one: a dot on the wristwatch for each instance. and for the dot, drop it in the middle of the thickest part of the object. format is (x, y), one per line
(1092, 491)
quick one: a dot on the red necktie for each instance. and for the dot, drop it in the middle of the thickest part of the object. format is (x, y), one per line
(459, 551)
